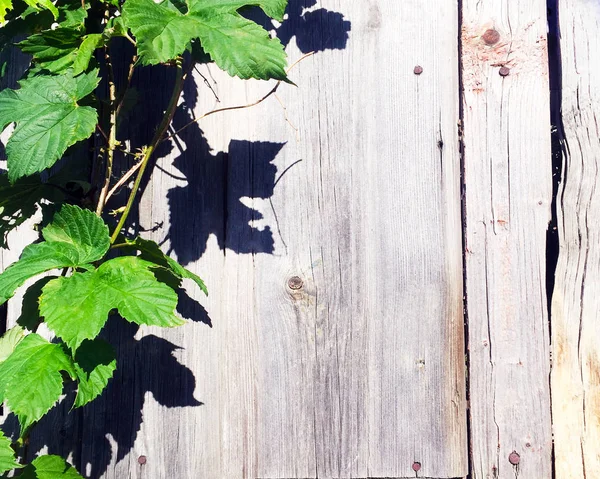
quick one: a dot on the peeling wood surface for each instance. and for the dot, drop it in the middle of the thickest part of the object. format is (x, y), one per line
(576, 298)
(508, 191)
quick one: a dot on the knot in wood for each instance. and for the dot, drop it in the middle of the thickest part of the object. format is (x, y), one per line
(142, 460)
(504, 71)
(418, 70)
(416, 466)
(514, 458)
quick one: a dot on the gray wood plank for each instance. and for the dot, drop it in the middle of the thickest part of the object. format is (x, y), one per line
(360, 372)
(576, 299)
(508, 192)
(362, 369)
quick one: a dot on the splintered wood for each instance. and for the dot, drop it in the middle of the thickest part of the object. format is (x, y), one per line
(576, 299)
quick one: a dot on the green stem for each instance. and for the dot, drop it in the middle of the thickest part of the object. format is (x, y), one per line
(128, 85)
(20, 445)
(162, 128)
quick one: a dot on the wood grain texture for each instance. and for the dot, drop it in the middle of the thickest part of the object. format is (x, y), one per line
(371, 224)
(576, 298)
(508, 192)
(360, 372)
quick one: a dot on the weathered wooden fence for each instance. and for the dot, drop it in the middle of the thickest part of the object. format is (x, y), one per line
(380, 245)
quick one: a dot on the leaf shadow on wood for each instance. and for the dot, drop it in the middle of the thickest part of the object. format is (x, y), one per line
(102, 433)
(207, 202)
(210, 186)
(217, 184)
(315, 30)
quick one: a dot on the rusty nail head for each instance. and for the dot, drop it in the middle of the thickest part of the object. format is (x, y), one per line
(416, 466)
(491, 36)
(528, 444)
(504, 71)
(295, 282)
(142, 460)
(514, 458)
(418, 70)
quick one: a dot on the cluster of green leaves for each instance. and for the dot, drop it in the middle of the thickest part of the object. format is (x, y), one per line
(75, 278)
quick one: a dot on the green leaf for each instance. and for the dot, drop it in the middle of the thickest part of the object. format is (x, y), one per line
(53, 50)
(47, 4)
(75, 237)
(8, 461)
(236, 44)
(31, 380)
(50, 467)
(48, 120)
(95, 364)
(274, 8)
(61, 49)
(5, 6)
(115, 27)
(19, 202)
(82, 229)
(85, 51)
(27, 21)
(152, 252)
(71, 14)
(77, 307)
(9, 341)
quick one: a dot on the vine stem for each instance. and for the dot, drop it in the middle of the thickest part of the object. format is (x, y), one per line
(240, 107)
(138, 165)
(112, 134)
(20, 445)
(162, 128)
(128, 85)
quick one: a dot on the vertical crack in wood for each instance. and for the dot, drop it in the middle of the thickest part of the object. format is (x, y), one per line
(463, 211)
(496, 469)
(558, 153)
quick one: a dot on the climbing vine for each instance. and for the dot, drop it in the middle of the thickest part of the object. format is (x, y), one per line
(86, 265)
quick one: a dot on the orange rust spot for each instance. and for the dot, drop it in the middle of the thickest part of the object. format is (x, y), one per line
(522, 52)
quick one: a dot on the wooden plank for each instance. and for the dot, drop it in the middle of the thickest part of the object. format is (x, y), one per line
(508, 192)
(576, 298)
(360, 372)
(165, 407)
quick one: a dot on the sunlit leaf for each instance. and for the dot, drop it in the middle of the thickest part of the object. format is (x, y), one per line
(77, 307)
